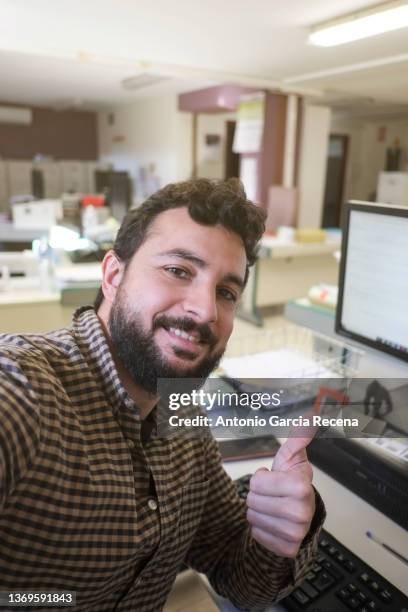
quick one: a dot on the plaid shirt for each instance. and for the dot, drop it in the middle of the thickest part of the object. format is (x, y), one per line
(92, 501)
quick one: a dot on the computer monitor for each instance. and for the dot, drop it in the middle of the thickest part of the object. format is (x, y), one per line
(373, 283)
(371, 310)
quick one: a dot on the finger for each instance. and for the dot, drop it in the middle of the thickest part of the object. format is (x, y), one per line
(286, 530)
(285, 508)
(280, 547)
(291, 454)
(281, 484)
(293, 450)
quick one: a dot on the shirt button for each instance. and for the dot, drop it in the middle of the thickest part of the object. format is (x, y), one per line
(131, 444)
(152, 503)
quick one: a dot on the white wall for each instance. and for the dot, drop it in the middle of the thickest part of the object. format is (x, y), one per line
(208, 167)
(367, 153)
(312, 165)
(374, 152)
(145, 132)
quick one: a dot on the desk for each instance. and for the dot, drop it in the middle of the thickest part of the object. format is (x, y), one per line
(189, 593)
(27, 308)
(286, 271)
(348, 518)
(373, 364)
(21, 238)
(9, 233)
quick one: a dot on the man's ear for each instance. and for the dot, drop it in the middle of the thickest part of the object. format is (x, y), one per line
(112, 274)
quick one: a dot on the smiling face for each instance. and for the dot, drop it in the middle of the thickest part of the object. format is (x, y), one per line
(173, 308)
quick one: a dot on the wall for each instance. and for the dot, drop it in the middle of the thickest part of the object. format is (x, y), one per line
(312, 165)
(367, 151)
(212, 164)
(375, 151)
(148, 131)
(59, 134)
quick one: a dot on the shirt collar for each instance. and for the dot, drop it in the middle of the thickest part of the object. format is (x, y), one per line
(92, 342)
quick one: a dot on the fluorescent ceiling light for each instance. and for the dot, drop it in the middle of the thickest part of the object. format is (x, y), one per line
(382, 18)
(142, 80)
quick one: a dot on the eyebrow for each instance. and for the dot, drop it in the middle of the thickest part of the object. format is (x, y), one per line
(200, 263)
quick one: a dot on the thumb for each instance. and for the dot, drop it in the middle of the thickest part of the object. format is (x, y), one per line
(262, 469)
(291, 454)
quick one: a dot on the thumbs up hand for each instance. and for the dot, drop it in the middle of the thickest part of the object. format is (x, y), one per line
(281, 501)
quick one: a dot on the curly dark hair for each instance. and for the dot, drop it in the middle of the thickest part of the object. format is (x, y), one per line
(209, 202)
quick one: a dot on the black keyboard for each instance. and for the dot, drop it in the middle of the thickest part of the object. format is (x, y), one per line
(339, 581)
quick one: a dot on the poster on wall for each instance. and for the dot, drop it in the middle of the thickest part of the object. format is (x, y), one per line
(248, 173)
(250, 123)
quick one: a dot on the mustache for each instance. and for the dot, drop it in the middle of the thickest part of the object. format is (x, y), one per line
(187, 325)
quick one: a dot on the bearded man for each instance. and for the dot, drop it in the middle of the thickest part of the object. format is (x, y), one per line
(92, 499)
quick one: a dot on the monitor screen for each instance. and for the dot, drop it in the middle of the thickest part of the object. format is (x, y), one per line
(373, 283)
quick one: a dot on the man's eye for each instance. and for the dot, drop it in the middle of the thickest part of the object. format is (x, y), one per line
(176, 271)
(227, 294)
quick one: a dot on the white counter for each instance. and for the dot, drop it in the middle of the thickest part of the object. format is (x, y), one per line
(286, 271)
(26, 307)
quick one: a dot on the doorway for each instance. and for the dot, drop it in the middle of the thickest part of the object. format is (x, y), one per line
(335, 176)
(231, 158)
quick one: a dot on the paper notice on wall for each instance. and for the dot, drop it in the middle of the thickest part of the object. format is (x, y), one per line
(250, 123)
(248, 173)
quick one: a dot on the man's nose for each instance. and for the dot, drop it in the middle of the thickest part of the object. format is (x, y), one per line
(201, 303)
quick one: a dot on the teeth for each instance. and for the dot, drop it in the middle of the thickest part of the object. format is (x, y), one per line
(183, 334)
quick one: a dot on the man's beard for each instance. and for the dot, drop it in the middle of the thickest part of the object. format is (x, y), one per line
(142, 358)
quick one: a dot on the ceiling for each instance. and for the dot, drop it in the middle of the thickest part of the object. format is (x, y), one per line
(76, 53)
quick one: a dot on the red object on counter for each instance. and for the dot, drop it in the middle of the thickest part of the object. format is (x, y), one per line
(93, 200)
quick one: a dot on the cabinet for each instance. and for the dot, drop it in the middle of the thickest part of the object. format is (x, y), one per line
(90, 169)
(19, 177)
(73, 176)
(3, 188)
(51, 173)
(55, 178)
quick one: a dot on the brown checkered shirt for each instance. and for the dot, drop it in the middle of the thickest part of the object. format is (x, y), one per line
(90, 503)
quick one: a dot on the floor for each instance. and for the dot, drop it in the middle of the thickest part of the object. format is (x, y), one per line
(189, 595)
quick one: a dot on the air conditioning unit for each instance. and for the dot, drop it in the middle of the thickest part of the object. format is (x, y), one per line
(16, 115)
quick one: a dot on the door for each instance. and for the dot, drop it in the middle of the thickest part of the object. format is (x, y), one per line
(335, 175)
(231, 158)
